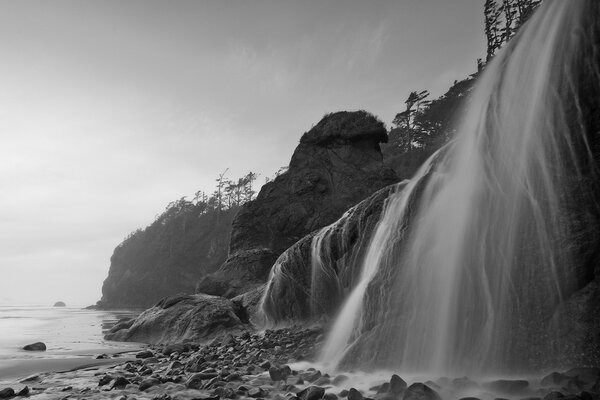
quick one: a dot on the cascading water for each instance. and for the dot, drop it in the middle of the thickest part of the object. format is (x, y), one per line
(469, 260)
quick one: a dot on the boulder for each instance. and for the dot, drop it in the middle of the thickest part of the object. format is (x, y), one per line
(420, 391)
(337, 164)
(60, 304)
(37, 346)
(181, 318)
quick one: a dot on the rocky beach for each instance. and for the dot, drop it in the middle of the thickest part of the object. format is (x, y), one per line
(274, 364)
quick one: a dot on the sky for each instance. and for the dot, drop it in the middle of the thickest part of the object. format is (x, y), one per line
(111, 109)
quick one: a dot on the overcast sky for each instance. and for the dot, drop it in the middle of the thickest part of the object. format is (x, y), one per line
(110, 109)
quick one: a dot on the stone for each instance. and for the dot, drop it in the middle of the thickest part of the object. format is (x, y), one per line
(7, 393)
(554, 395)
(60, 304)
(148, 383)
(311, 393)
(420, 391)
(354, 394)
(23, 392)
(330, 396)
(183, 318)
(257, 392)
(144, 354)
(120, 382)
(105, 380)
(37, 346)
(397, 385)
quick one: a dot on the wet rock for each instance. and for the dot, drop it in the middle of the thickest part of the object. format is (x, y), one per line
(23, 392)
(173, 320)
(330, 396)
(105, 380)
(311, 393)
(144, 354)
(311, 377)
(120, 383)
(397, 385)
(420, 391)
(101, 357)
(60, 304)
(7, 393)
(257, 392)
(507, 386)
(37, 346)
(354, 394)
(148, 383)
(279, 373)
(30, 378)
(196, 380)
(469, 398)
(344, 393)
(224, 392)
(554, 395)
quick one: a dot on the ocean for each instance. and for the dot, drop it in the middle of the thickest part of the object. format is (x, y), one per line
(69, 334)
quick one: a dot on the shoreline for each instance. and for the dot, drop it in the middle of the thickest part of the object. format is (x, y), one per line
(279, 365)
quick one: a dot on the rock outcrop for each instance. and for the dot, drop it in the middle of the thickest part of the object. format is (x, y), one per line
(337, 164)
(193, 318)
(168, 257)
(311, 278)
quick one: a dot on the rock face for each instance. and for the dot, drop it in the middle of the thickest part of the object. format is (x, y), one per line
(337, 164)
(167, 258)
(181, 318)
(311, 278)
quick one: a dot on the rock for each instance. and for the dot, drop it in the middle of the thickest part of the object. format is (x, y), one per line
(311, 393)
(554, 396)
(23, 392)
(7, 393)
(265, 365)
(148, 383)
(337, 164)
(279, 373)
(38, 346)
(397, 385)
(330, 396)
(419, 391)
(105, 380)
(257, 392)
(59, 304)
(196, 380)
(192, 318)
(144, 354)
(506, 386)
(288, 294)
(120, 382)
(354, 394)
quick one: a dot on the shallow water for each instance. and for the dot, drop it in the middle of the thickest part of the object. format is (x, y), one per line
(66, 331)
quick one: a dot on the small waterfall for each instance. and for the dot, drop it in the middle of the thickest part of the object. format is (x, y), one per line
(471, 258)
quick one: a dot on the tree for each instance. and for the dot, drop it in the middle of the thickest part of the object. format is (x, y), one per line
(404, 121)
(503, 18)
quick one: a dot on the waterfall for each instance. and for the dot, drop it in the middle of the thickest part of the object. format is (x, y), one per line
(470, 259)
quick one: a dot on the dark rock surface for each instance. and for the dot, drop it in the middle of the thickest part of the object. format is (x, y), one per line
(60, 304)
(337, 164)
(167, 258)
(293, 294)
(180, 318)
(37, 346)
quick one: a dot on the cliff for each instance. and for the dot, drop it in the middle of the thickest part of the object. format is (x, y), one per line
(337, 164)
(168, 257)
